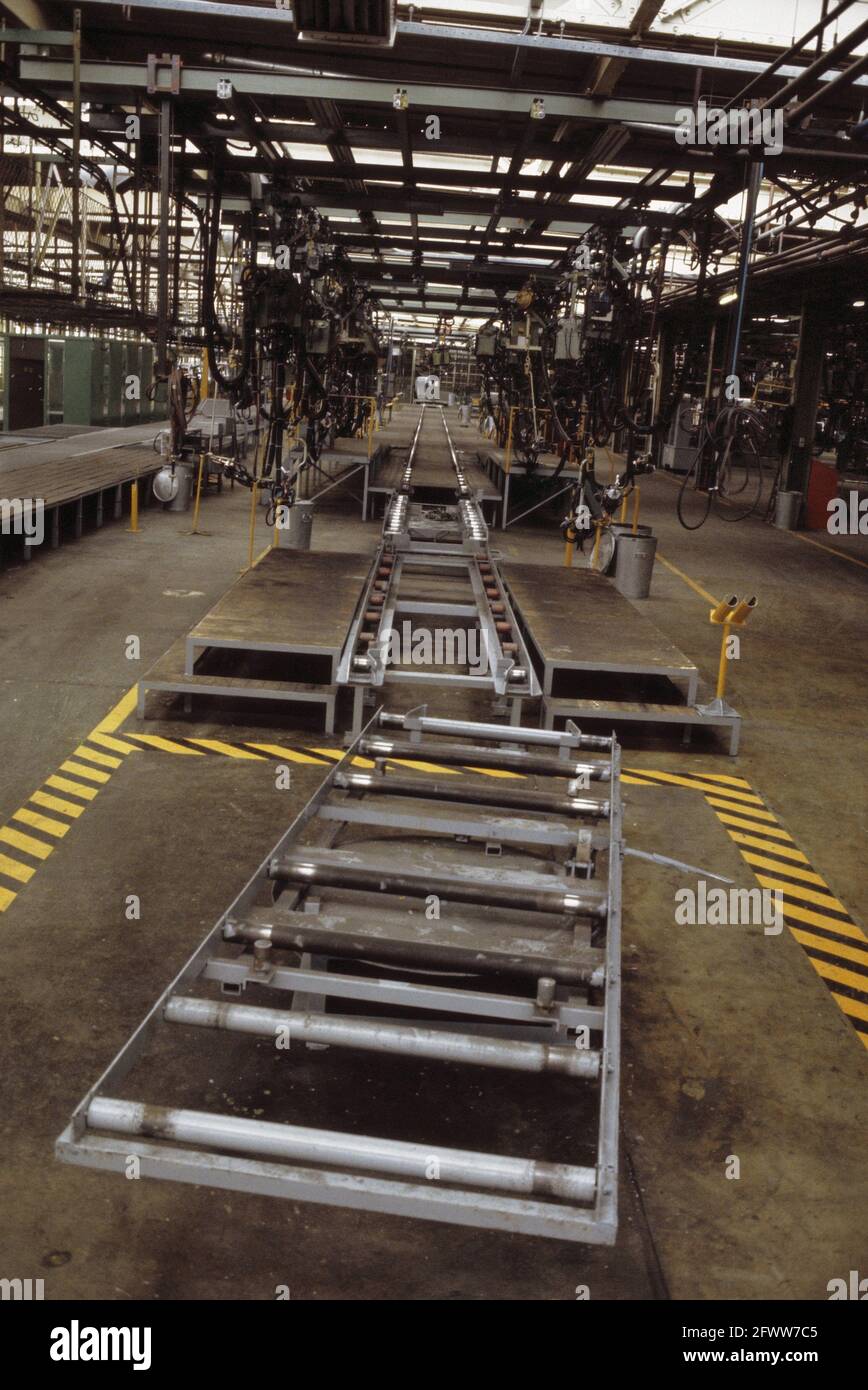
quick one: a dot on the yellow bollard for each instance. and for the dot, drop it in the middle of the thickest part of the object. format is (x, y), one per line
(569, 548)
(722, 664)
(134, 506)
(635, 509)
(254, 500)
(623, 517)
(198, 501)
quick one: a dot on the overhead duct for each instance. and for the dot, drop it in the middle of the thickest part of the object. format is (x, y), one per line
(345, 21)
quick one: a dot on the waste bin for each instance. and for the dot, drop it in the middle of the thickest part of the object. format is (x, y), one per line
(181, 501)
(788, 505)
(295, 533)
(634, 562)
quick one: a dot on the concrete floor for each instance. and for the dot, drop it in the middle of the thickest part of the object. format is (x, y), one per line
(733, 1045)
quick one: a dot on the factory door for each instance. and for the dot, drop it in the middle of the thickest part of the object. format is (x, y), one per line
(26, 392)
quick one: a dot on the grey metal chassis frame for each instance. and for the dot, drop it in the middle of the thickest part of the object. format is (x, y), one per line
(164, 1141)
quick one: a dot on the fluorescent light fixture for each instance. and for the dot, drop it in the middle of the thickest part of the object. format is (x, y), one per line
(728, 297)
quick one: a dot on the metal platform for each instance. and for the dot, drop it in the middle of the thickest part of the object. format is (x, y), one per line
(503, 468)
(277, 634)
(601, 661)
(75, 490)
(576, 621)
(469, 924)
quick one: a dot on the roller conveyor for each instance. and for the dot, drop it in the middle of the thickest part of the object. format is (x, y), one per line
(486, 942)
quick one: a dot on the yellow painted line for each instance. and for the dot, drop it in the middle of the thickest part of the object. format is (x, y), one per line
(840, 976)
(675, 780)
(816, 919)
(43, 823)
(834, 948)
(89, 772)
(63, 784)
(755, 812)
(854, 1007)
(691, 583)
(115, 717)
(743, 824)
(637, 781)
(13, 868)
(290, 753)
(117, 745)
(7, 897)
(425, 767)
(810, 895)
(18, 840)
(103, 759)
(228, 750)
(167, 745)
(56, 803)
(336, 754)
(842, 554)
(495, 772)
(805, 875)
(782, 850)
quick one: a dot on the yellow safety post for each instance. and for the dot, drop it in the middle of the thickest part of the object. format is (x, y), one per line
(623, 517)
(134, 506)
(569, 547)
(636, 491)
(254, 500)
(371, 422)
(507, 458)
(729, 613)
(204, 386)
(197, 503)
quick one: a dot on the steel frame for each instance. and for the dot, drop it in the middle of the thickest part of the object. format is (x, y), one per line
(526, 1027)
(412, 545)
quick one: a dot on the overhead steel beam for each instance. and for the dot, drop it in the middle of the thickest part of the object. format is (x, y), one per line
(432, 32)
(423, 96)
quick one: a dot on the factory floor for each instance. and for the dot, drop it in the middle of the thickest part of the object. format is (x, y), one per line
(734, 1044)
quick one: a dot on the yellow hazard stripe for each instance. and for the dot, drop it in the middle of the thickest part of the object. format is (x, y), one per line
(63, 784)
(755, 812)
(291, 754)
(7, 897)
(854, 1007)
(743, 824)
(43, 823)
(115, 717)
(57, 803)
(93, 756)
(782, 851)
(13, 868)
(808, 895)
(839, 976)
(91, 773)
(228, 750)
(335, 754)
(761, 862)
(117, 745)
(18, 840)
(833, 948)
(696, 784)
(495, 772)
(168, 745)
(816, 919)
